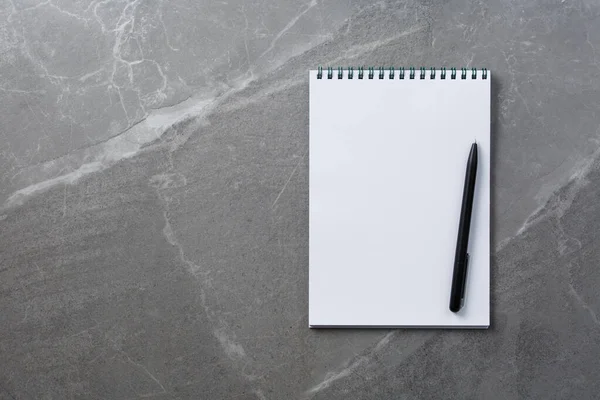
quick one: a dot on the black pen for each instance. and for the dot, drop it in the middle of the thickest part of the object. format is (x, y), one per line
(461, 259)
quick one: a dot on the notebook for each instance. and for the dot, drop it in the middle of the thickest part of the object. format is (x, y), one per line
(388, 154)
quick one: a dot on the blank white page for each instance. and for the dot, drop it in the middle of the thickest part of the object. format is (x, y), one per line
(387, 170)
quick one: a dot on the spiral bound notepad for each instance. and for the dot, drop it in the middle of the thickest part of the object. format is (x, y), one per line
(388, 151)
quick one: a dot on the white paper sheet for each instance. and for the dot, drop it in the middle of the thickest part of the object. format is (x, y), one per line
(387, 169)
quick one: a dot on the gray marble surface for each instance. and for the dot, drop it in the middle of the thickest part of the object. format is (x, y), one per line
(154, 200)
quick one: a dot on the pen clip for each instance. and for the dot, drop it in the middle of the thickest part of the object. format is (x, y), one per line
(464, 282)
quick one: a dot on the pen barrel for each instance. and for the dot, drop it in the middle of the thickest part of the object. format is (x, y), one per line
(462, 242)
(466, 208)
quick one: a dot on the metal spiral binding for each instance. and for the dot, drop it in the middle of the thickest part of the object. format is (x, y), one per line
(464, 75)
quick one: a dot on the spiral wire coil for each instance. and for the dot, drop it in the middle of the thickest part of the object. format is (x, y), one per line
(444, 73)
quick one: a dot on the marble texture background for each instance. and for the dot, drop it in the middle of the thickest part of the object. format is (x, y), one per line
(154, 200)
